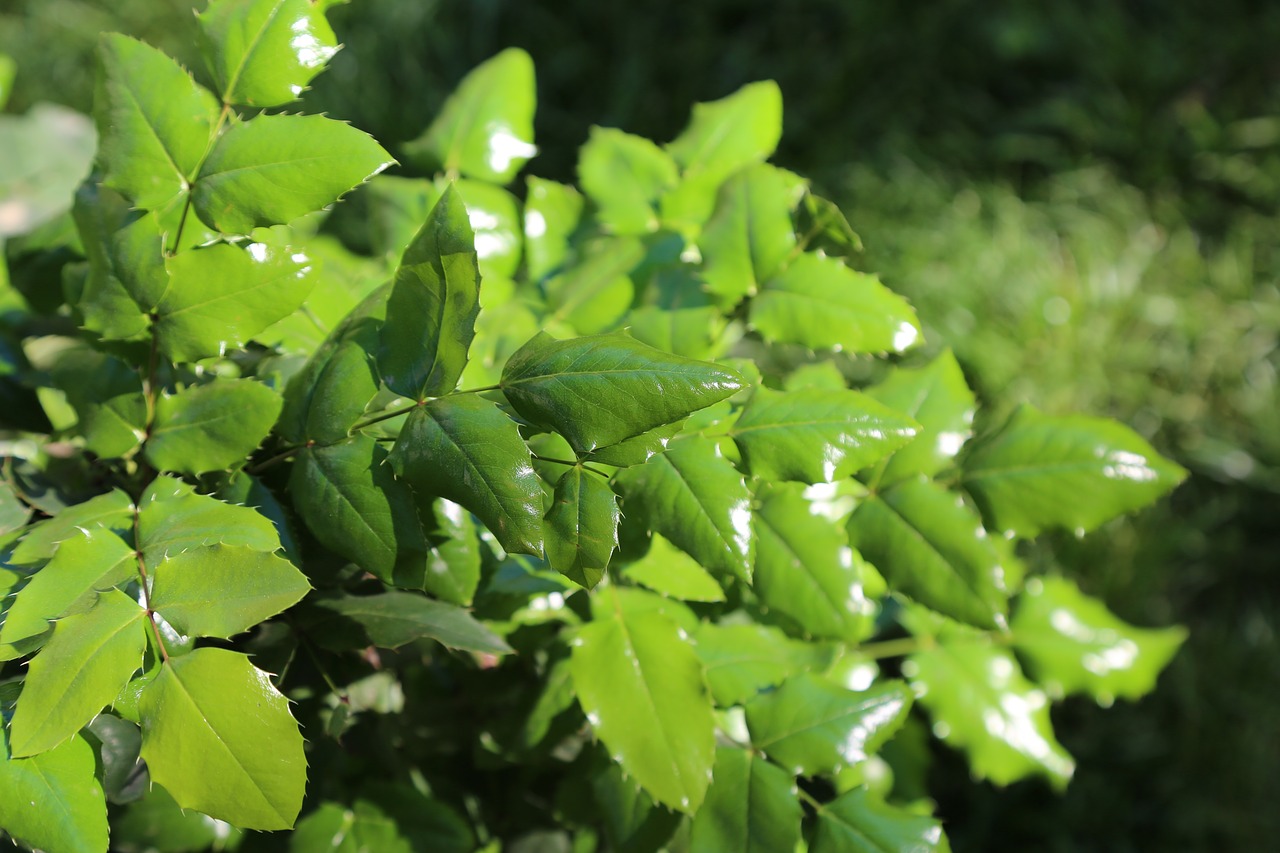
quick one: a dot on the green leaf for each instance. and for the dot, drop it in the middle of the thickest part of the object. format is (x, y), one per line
(1041, 471)
(636, 450)
(500, 331)
(820, 303)
(858, 822)
(220, 296)
(431, 313)
(262, 53)
(329, 395)
(485, 129)
(392, 619)
(742, 660)
(272, 169)
(625, 176)
(71, 816)
(805, 569)
(451, 569)
(155, 822)
(1073, 644)
(751, 807)
(822, 227)
(551, 215)
(597, 391)
(218, 736)
(211, 427)
(107, 396)
(931, 546)
(465, 449)
(632, 822)
(595, 293)
(126, 264)
(749, 236)
(154, 122)
(581, 527)
(118, 743)
(80, 670)
(816, 436)
(814, 727)
(494, 215)
(725, 135)
(938, 398)
(172, 518)
(222, 590)
(642, 689)
(112, 511)
(666, 569)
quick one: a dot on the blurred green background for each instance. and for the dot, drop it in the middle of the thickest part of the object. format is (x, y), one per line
(1081, 198)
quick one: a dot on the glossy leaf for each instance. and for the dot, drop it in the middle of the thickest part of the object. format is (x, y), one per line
(107, 396)
(817, 436)
(666, 569)
(751, 807)
(154, 122)
(1041, 471)
(595, 293)
(465, 449)
(72, 816)
(218, 736)
(725, 135)
(931, 546)
(642, 689)
(749, 236)
(431, 313)
(812, 726)
(172, 518)
(112, 511)
(742, 660)
(329, 396)
(581, 527)
(262, 53)
(211, 427)
(636, 450)
(597, 391)
(694, 497)
(551, 215)
(126, 265)
(272, 169)
(859, 822)
(1074, 644)
(820, 303)
(451, 569)
(625, 176)
(485, 129)
(392, 619)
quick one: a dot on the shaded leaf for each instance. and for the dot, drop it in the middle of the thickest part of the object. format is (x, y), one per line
(126, 265)
(451, 569)
(751, 807)
(72, 816)
(594, 294)
(156, 822)
(107, 396)
(211, 427)
(392, 619)
(581, 528)
(858, 822)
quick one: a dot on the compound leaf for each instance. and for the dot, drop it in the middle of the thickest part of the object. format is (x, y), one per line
(72, 812)
(211, 427)
(751, 806)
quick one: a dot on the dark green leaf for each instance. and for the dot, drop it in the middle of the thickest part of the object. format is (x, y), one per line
(632, 823)
(126, 266)
(450, 570)
(551, 214)
(636, 450)
(581, 527)
(821, 226)
(625, 176)
(749, 236)
(751, 807)
(595, 293)
(222, 590)
(858, 822)
(118, 743)
(666, 569)
(742, 660)
(157, 823)
(71, 815)
(392, 619)
(211, 427)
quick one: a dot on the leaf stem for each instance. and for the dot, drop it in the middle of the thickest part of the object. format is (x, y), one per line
(554, 461)
(482, 388)
(277, 459)
(382, 416)
(146, 590)
(896, 648)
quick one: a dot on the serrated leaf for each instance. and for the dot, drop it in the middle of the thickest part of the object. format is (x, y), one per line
(156, 822)
(813, 726)
(154, 122)
(72, 814)
(551, 215)
(822, 227)
(107, 396)
(272, 169)
(636, 450)
(816, 436)
(392, 619)
(222, 590)
(1074, 644)
(641, 686)
(632, 822)
(220, 296)
(218, 736)
(742, 660)
(581, 528)
(432, 309)
(211, 427)
(820, 303)
(932, 547)
(625, 176)
(749, 236)
(594, 293)
(694, 497)
(79, 671)
(262, 53)
(172, 518)
(859, 822)
(599, 390)
(805, 569)
(112, 511)
(666, 569)
(485, 129)
(450, 569)
(725, 135)
(465, 449)
(126, 264)
(751, 807)
(1041, 471)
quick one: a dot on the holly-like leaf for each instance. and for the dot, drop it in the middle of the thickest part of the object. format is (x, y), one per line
(816, 436)
(666, 569)
(1041, 471)
(600, 390)
(751, 807)
(218, 736)
(451, 569)
(272, 169)
(632, 821)
(595, 293)
(431, 313)
(931, 546)
(821, 226)
(71, 814)
(551, 214)
(326, 398)
(112, 511)
(859, 822)
(1074, 644)
(154, 122)
(581, 527)
(694, 497)
(742, 660)
(465, 449)
(820, 303)
(262, 53)
(749, 236)
(725, 135)
(392, 619)
(636, 450)
(813, 726)
(172, 518)
(79, 671)
(485, 129)
(107, 396)
(642, 689)
(126, 264)
(625, 176)
(211, 427)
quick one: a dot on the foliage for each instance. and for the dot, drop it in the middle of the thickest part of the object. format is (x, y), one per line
(572, 532)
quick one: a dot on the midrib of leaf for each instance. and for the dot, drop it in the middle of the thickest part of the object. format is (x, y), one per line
(1089, 465)
(920, 536)
(54, 793)
(226, 415)
(846, 307)
(249, 51)
(807, 574)
(347, 503)
(233, 295)
(156, 136)
(471, 463)
(833, 421)
(265, 167)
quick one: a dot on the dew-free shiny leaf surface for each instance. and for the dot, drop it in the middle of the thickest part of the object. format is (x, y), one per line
(218, 736)
(742, 660)
(391, 619)
(73, 814)
(859, 822)
(751, 807)
(1076, 472)
(750, 234)
(725, 135)
(642, 689)
(211, 427)
(636, 450)
(581, 528)
(600, 390)
(625, 175)
(111, 511)
(172, 518)
(666, 569)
